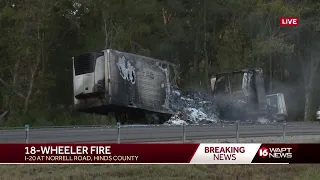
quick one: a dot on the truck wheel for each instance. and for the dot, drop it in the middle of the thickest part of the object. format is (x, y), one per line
(156, 118)
(152, 118)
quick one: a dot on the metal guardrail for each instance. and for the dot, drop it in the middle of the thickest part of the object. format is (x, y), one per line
(156, 133)
(297, 123)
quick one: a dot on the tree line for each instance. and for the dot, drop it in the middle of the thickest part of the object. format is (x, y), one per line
(203, 37)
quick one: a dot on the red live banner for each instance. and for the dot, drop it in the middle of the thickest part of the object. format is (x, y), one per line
(226, 153)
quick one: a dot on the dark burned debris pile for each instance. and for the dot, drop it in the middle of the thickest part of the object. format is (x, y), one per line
(192, 108)
(195, 108)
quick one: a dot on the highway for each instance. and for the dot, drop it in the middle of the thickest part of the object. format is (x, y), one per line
(161, 133)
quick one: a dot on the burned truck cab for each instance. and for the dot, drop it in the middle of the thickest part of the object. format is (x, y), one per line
(241, 95)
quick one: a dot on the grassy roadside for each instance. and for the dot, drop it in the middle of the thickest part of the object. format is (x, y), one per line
(55, 117)
(161, 172)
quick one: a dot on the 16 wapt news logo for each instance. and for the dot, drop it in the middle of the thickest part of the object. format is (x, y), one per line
(275, 153)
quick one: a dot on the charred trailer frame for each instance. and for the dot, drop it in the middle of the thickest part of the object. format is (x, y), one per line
(246, 101)
(128, 85)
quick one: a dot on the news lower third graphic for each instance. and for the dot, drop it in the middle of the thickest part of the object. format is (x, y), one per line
(225, 153)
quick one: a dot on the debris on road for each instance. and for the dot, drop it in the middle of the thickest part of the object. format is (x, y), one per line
(194, 108)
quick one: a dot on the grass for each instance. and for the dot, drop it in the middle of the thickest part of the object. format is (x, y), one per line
(161, 172)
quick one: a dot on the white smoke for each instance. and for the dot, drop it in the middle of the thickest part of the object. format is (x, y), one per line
(196, 108)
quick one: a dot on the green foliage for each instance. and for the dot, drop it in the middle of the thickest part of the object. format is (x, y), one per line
(264, 45)
(7, 12)
(38, 39)
(56, 117)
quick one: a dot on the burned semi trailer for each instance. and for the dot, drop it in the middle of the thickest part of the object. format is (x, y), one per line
(130, 86)
(241, 95)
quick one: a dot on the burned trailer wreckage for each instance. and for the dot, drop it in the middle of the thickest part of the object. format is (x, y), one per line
(130, 86)
(241, 95)
(140, 89)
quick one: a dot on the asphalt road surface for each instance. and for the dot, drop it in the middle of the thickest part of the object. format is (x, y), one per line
(136, 134)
